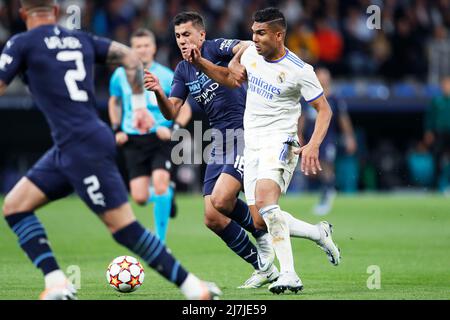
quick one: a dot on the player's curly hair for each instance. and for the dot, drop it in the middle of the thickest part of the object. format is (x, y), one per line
(270, 15)
(30, 4)
(183, 17)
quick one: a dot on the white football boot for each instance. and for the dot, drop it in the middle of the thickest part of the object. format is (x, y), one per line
(286, 281)
(195, 289)
(326, 242)
(260, 278)
(61, 292)
(266, 254)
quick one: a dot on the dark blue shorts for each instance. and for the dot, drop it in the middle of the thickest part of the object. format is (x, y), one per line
(230, 161)
(87, 167)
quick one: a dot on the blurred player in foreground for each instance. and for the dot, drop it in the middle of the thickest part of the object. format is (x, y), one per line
(225, 214)
(276, 80)
(58, 66)
(147, 156)
(328, 148)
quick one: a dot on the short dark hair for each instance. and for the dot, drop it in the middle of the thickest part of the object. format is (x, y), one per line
(189, 16)
(270, 15)
(142, 32)
(30, 4)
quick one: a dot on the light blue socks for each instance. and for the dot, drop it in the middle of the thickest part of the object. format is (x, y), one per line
(161, 211)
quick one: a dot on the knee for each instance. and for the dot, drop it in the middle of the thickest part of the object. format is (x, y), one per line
(260, 204)
(259, 224)
(140, 197)
(10, 207)
(160, 188)
(222, 203)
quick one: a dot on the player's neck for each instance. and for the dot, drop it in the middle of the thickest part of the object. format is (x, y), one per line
(277, 54)
(36, 22)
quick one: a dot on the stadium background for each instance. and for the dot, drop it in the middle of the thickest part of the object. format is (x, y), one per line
(388, 77)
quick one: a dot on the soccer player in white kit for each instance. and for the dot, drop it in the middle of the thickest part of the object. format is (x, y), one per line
(276, 79)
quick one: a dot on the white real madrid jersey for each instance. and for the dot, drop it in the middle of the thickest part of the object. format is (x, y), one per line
(274, 92)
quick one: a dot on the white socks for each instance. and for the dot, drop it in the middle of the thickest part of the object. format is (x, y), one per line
(301, 229)
(55, 278)
(192, 288)
(278, 228)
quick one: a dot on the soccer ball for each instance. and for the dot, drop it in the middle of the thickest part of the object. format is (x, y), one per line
(125, 274)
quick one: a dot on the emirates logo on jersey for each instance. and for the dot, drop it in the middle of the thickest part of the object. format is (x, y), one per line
(281, 77)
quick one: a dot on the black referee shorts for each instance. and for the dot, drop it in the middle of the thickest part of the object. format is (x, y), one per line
(146, 153)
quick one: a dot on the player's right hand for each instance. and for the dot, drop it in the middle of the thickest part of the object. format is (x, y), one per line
(151, 82)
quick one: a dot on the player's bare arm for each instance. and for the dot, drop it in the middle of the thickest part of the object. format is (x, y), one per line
(238, 70)
(115, 111)
(184, 115)
(3, 87)
(240, 45)
(222, 75)
(310, 152)
(115, 117)
(170, 107)
(346, 126)
(120, 54)
(300, 126)
(182, 119)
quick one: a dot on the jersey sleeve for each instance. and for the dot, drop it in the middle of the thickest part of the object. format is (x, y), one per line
(310, 86)
(246, 55)
(223, 48)
(178, 88)
(115, 90)
(101, 48)
(11, 59)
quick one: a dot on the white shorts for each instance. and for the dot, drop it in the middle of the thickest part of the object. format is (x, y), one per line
(264, 159)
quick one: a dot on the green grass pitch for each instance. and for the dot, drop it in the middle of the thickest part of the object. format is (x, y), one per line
(407, 237)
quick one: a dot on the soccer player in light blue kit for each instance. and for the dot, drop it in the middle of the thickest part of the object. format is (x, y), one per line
(146, 155)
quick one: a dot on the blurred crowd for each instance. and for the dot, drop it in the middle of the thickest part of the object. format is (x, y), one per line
(412, 42)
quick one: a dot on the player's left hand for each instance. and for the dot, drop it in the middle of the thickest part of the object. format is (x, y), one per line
(143, 121)
(163, 133)
(309, 159)
(192, 53)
